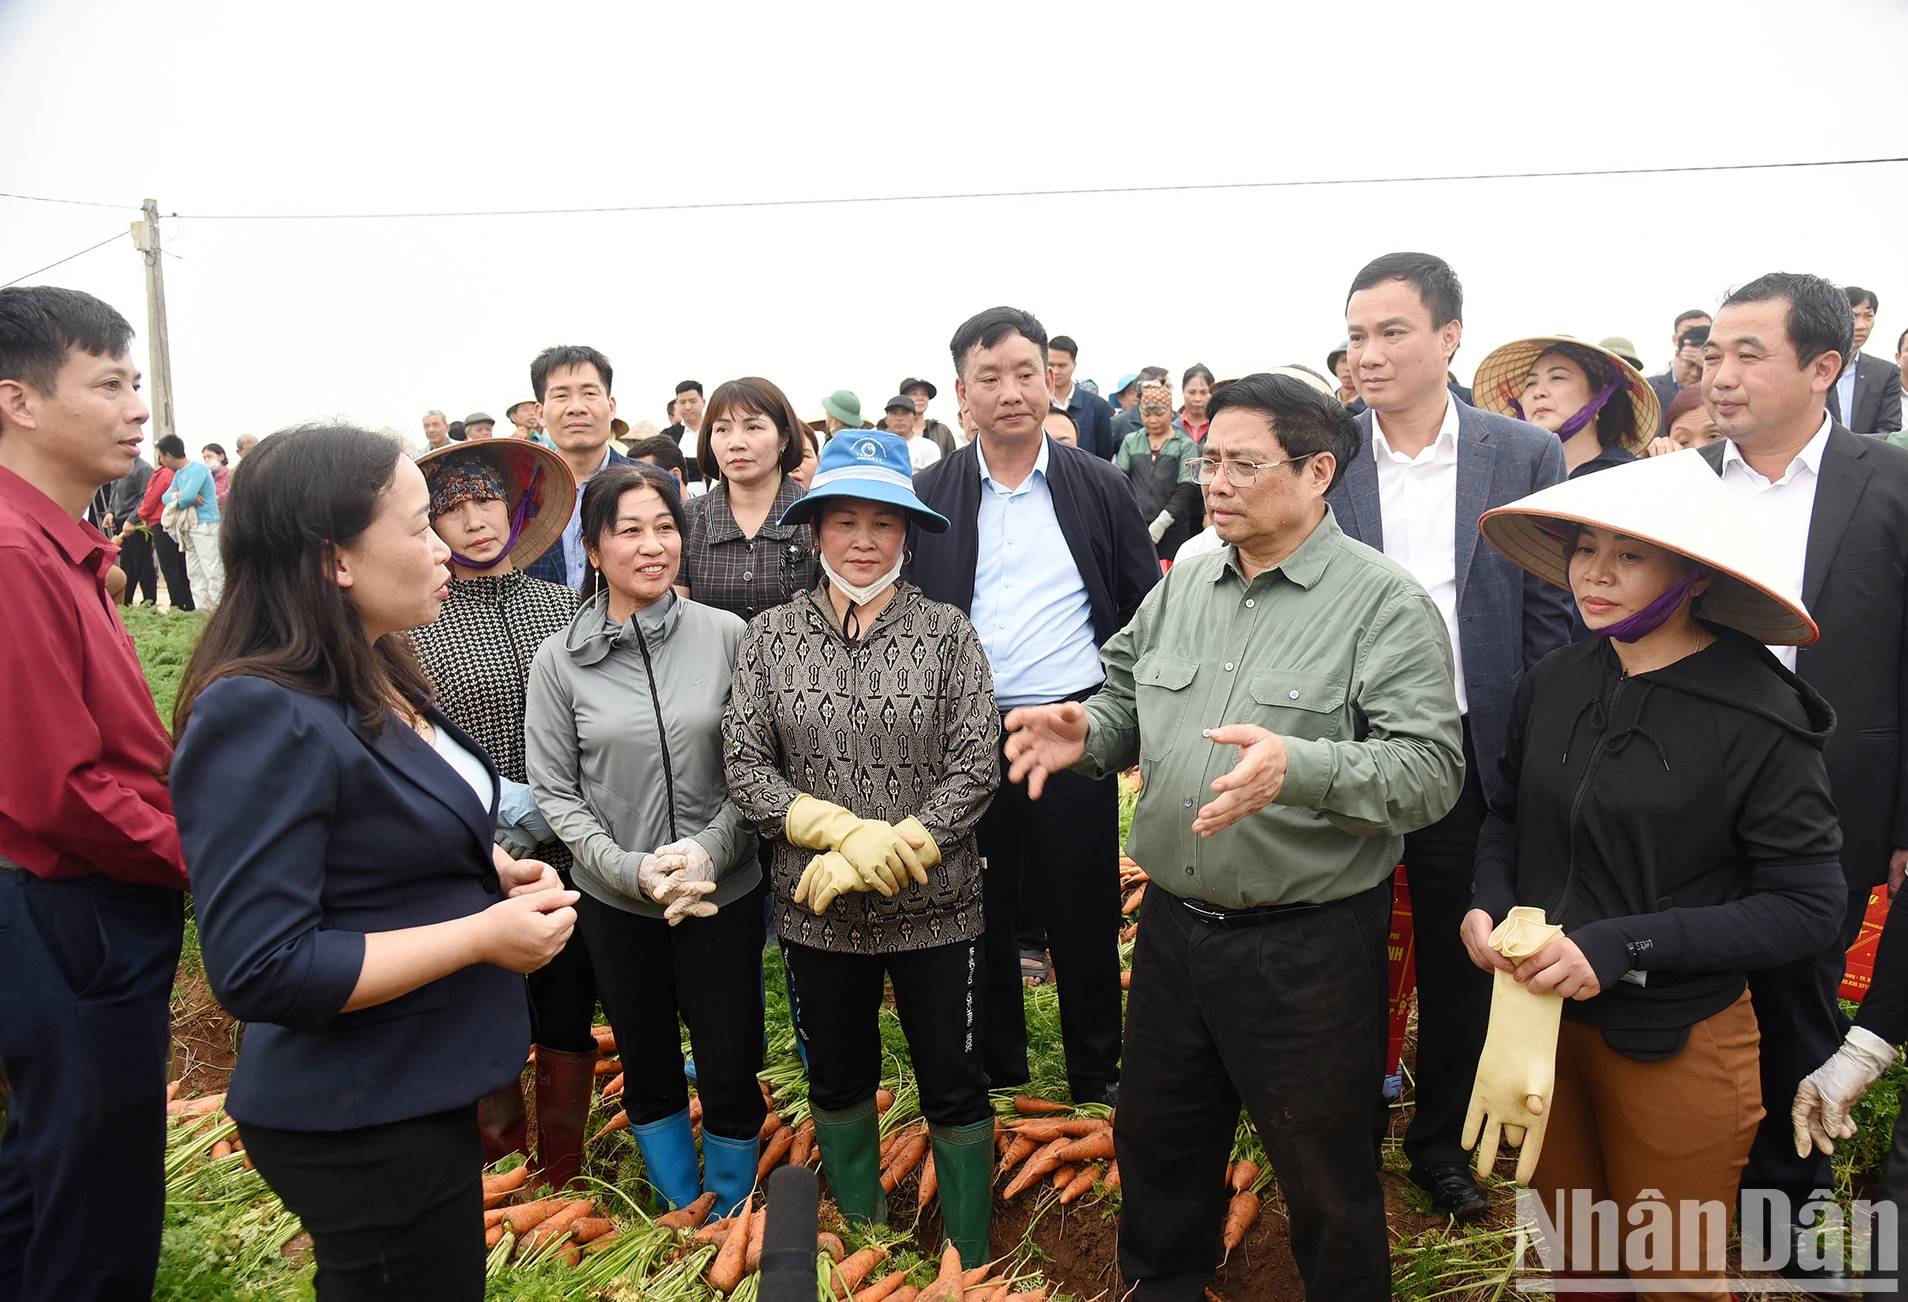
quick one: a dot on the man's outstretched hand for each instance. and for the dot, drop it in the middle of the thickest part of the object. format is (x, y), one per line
(1251, 784)
(1044, 739)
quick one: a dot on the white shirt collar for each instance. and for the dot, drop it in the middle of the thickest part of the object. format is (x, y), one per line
(1040, 462)
(1059, 401)
(1445, 442)
(1810, 455)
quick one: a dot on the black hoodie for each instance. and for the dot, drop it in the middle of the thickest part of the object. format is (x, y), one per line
(1676, 824)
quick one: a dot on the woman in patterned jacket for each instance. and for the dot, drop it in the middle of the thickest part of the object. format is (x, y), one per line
(860, 737)
(498, 506)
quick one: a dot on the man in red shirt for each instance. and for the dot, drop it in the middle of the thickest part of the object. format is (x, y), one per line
(91, 878)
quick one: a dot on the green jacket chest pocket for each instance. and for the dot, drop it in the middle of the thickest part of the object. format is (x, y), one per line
(1162, 685)
(1294, 703)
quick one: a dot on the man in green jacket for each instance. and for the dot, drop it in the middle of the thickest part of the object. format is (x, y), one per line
(1307, 680)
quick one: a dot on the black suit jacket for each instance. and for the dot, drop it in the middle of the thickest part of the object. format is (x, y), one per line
(550, 567)
(1877, 397)
(1098, 515)
(1855, 584)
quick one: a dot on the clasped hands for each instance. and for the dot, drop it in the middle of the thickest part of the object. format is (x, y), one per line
(858, 854)
(677, 876)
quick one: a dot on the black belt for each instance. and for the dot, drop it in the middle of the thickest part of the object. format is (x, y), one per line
(1084, 694)
(1214, 916)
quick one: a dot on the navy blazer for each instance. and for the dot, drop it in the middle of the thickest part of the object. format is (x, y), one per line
(1508, 618)
(302, 832)
(1877, 397)
(550, 566)
(1098, 516)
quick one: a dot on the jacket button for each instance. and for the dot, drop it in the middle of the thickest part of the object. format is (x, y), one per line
(747, 575)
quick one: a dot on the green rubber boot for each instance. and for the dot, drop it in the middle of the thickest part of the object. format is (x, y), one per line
(964, 1168)
(850, 1143)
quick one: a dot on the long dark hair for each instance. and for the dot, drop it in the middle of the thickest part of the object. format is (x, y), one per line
(604, 493)
(1616, 422)
(305, 493)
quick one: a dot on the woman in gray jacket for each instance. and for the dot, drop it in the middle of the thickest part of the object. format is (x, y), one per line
(863, 727)
(624, 752)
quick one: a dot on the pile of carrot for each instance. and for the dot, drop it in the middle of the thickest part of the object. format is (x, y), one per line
(1066, 1152)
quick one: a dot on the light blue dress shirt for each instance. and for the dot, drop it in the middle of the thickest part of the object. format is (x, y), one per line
(1030, 605)
(1845, 391)
(576, 561)
(196, 481)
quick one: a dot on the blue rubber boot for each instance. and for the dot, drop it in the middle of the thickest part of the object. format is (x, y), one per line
(669, 1158)
(728, 1169)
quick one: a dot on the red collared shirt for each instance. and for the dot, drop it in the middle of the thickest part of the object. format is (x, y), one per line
(82, 774)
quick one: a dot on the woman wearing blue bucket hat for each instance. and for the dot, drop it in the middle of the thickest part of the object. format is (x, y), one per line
(862, 740)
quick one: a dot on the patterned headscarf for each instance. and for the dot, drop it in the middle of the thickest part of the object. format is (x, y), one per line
(472, 477)
(1159, 397)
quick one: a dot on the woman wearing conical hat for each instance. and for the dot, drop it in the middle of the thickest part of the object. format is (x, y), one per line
(1664, 801)
(1596, 402)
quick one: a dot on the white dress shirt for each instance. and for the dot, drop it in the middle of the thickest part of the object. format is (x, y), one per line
(1417, 500)
(1782, 510)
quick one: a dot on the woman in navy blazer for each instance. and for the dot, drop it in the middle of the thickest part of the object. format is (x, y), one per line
(352, 909)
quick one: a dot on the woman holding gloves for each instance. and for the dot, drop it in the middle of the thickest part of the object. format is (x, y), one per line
(499, 505)
(1666, 806)
(862, 735)
(624, 751)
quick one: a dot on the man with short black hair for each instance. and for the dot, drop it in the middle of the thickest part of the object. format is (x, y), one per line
(1833, 508)
(1686, 361)
(1307, 680)
(686, 411)
(574, 404)
(1867, 395)
(1048, 555)
(91, 877)
(661, 451)
(1091, 415)
(1428, 465)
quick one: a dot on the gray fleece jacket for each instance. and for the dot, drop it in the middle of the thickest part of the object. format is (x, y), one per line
(611, 787)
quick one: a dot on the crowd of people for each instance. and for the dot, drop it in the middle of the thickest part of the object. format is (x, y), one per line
(477, 739)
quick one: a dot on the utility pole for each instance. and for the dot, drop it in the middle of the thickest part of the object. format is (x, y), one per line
(159, 349)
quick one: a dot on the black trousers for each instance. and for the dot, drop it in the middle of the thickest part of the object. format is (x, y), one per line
(1068, 844)
(1802, 1026)
(142, 574)
(1290, 1018)
(172, 564)
(395, 1212)
(86, 969)
(1454, 994)
(708, 971)
(563, 995)
(937, 993)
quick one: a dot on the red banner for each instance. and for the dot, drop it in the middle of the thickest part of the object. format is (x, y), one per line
(1861, 955)
(1404, 968)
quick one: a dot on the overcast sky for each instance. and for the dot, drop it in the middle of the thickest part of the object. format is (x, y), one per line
(400, 107)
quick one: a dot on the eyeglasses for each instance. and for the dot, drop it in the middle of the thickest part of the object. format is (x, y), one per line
(1239, 473)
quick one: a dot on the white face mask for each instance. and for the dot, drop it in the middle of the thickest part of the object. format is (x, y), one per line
(862, 596)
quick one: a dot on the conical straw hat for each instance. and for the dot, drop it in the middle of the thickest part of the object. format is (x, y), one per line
(1673, 501)
(1500, 379)
(522, 464)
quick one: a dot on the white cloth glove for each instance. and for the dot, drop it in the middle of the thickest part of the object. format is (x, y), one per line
(1820, 1113)
(1161, 523)
(688, 884)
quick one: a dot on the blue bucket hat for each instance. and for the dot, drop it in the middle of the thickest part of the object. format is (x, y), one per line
(870, 464)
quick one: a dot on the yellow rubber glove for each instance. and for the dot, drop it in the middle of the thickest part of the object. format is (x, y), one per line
(817, 824)
(1518, 1069)
(882, 856)
(924, 847)
(827, 876)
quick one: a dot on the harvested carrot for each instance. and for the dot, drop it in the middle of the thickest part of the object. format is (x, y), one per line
(618, 1122)
(1081, 1183)
(833, 1246)
(930, 1182)
(597, 1245)
(906, 1293)
(573, 1256)
(798, 1151)
(505, 1181)
(726, 1272)
(772, 1154)
(948, 1286)
(195, 1107)
(615, 1086)
(557, 1225)
(752, 1256)
(1126, 979)
(1038, 1295)
(1055, 1127)
(855, 1269)
(1028, 1106)
(588, 1229)
(905, 1160)
(1133, 901)
(1097, 1147)
(1017, 1152)
(884, 1099)
(969, 1278)
(524, 1216)
(1239, 1218)
(1040, 1164)
(1062, 1176)
(607, 1067)
(695, 1110)
(494, 1218)
(1129, 933)
(687, 1218)
(497, 1199)
(172, 1090)
(768, 1095)
(221, 1149)
(1112, 1179)
(880, 1291)
(714, 1231)
(494, 1235)
(1243, 1174)
(248, 1163)
(770, 1124)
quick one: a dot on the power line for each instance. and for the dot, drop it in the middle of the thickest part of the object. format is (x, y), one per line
(1036, 194)
(78, 203)
(68, 258)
